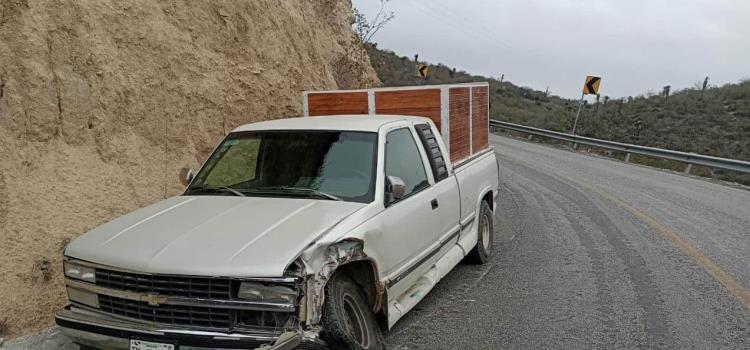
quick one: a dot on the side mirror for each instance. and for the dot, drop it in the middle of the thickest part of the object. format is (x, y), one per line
(186, 175)
(396, 187)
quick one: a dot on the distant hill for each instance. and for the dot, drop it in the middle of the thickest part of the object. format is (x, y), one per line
(717, 123)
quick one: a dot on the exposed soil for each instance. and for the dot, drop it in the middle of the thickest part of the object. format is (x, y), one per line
(102, 102)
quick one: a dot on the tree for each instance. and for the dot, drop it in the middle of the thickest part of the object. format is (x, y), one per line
(366, 29)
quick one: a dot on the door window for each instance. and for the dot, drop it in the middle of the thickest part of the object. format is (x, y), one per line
(402, 159)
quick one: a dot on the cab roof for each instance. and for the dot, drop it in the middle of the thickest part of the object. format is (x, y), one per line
(349, 122)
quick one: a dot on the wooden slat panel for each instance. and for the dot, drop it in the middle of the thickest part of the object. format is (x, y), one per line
(479, 119)
(458, 107)
(337, 103)
(422, 103)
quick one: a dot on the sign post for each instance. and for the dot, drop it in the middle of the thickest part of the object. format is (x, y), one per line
(590, 87)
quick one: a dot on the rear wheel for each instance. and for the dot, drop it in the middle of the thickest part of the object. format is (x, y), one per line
(348, 321)
(483, 250)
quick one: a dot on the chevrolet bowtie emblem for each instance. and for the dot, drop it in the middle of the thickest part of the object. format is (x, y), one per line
(154, 299)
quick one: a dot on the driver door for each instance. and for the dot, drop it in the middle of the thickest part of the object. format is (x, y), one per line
(410, 224)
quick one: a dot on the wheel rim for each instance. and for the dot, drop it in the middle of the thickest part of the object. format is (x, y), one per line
(355, 321)
(486, 234)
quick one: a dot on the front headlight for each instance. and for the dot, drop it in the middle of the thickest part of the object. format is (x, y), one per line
(79, 272)
(254, 291)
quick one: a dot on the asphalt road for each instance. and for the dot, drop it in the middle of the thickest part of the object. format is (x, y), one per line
(592, 253)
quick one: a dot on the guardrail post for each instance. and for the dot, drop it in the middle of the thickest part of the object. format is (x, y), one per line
(627, 157)
(688, 168)
(530, 137)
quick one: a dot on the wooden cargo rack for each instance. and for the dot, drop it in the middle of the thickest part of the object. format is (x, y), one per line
(460, 111)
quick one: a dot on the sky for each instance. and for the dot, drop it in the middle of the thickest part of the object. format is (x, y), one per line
(636, 46)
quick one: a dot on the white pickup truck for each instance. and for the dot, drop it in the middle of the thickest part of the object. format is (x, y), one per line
(308, 232)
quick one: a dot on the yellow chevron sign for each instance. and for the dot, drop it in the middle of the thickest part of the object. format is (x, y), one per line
(423, 71)
(591, 86)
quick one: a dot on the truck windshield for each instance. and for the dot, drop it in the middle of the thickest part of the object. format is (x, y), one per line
(329, 165)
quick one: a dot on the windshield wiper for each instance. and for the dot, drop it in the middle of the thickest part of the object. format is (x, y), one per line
(308, 191)
(216, 189)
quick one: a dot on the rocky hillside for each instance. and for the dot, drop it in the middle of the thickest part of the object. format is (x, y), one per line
(716, 122)
(101, 102)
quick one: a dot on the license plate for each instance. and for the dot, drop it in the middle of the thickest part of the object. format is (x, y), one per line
(147, 345)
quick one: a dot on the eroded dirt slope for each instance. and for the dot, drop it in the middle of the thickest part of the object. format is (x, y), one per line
(102, 101)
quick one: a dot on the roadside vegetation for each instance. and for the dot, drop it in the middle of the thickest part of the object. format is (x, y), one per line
(713, 122)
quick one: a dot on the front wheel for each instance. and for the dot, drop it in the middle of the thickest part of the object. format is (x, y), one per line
(483, 250)
(348, 321)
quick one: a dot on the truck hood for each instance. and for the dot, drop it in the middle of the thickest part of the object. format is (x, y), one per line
(212, 235)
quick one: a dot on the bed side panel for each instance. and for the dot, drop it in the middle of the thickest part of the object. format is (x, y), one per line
(333, 103)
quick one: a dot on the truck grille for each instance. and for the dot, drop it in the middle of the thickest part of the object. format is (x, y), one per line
(167, 314)
(191, 287)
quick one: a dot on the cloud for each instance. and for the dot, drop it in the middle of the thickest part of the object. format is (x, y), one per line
(635, 45)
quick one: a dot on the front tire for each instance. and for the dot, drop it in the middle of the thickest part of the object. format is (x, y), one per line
(483, 250)
(348, 321)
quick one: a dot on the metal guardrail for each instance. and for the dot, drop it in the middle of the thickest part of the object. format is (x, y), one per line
(628, 149)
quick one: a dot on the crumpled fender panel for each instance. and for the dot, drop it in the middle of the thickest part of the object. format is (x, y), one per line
(336, 255)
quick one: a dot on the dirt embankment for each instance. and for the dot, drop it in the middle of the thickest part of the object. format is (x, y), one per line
(102, 101)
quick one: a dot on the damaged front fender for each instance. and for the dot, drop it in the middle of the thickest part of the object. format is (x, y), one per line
(336, 255)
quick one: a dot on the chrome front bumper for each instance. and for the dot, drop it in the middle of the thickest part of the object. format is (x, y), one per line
(103, 331)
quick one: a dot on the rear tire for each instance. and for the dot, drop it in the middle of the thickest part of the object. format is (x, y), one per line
(483, 250)
(348, 321)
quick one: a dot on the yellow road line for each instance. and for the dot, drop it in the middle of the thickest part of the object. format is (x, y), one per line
(713, 269)
(725, 278)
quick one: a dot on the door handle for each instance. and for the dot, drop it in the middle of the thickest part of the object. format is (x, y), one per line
(434, 203)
